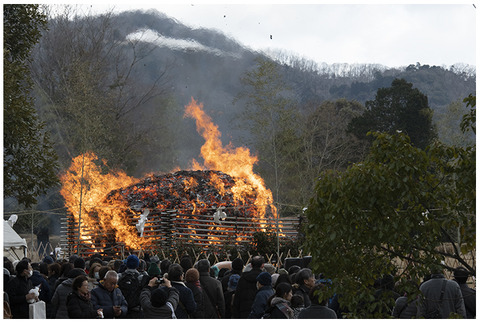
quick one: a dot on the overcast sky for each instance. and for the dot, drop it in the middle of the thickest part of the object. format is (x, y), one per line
(432, 33)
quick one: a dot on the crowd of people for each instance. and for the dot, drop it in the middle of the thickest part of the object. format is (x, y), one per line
(150, 288)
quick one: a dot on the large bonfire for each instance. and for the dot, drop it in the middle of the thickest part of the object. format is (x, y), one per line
(129, 209)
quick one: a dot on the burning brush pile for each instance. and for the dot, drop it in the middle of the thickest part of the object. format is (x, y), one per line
(222, 201)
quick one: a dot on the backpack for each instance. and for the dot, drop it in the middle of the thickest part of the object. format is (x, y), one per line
(130, 287)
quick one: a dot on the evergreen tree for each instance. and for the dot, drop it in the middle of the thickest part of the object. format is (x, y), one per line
(30, 163)
(397, 108)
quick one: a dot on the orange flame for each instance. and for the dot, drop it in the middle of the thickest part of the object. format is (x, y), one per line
(236, 162)
(103, 213)
(94, 210)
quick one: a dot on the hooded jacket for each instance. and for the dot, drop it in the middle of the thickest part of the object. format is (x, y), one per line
(245, 294)
(213, 288)
(59, 299)
(162, 312)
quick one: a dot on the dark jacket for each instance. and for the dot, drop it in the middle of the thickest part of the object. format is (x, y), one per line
(469, 299)
(279, 308)
(213, 291)
(80, 307)
(303, 290)
(226, 277)
(186, 306)
(16, 289)
(102, 298)
(198, 297)
(452, 299)
(402, 310)
(59, 299)
(245, 294)
(163, 312)
(45, 293)
(259, 305)
(317, 312)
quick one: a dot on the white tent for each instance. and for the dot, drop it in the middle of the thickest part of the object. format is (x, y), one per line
(14, 247)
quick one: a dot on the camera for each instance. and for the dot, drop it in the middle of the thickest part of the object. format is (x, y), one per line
(159, 281)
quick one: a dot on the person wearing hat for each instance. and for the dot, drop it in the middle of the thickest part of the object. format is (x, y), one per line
(130, 283)
(265, 291)
(159, 302)
(18, 290)
(461, 275)
(58, 303)
(230, 294)
(237, 268)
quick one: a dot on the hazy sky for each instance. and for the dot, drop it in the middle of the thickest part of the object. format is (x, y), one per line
(434, 33)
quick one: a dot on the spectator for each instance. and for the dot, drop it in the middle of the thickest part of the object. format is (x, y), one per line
(130, 283)
(279, 303)
(214, 302)
(296, 303)
(305, 280)
(461, 275)
(229, 295)
(117, 263)
(246, 289)
(265, 291)
(54, 272)
(142, 267)
(66, 267)
(385, 296)
(164, 265)
(94, 275)
(405, 309)
(101, 273)
(38, 279)
(59, 299)
(153, 270)
(282, 278)
(441, 297)
(79, 263)
(237, 267)
(186, 305)
(159, 302)
(186, 262)
(109, 298)
(78, 301)
(318, 308)
(192, 279)
(269, 268)
(18, 290)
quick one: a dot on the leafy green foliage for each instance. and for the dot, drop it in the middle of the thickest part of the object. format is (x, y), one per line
(398, 108)
(400, 204)
(30, 163)
(469, 120)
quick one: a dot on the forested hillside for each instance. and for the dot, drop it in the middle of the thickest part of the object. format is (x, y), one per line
(118, 84)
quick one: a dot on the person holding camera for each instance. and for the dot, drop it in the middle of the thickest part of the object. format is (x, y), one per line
(159, 299)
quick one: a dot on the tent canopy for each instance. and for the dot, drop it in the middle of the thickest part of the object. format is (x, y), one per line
(11, 239)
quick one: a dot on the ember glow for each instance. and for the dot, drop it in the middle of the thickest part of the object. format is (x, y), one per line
(114, 203)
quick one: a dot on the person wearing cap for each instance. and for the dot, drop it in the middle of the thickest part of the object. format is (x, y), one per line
(18, 289)
(247, 289)
(109, 297)
(461, 275)
(237, 268)
(265, 291)
(159, 302)
(125, 281)
(59, 300)
(229, 295)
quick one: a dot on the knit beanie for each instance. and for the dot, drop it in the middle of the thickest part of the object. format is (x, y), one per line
(132, 262)
(153, 270)
(237, 264)
(159, 297)
(264, 278)
(79, 263)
